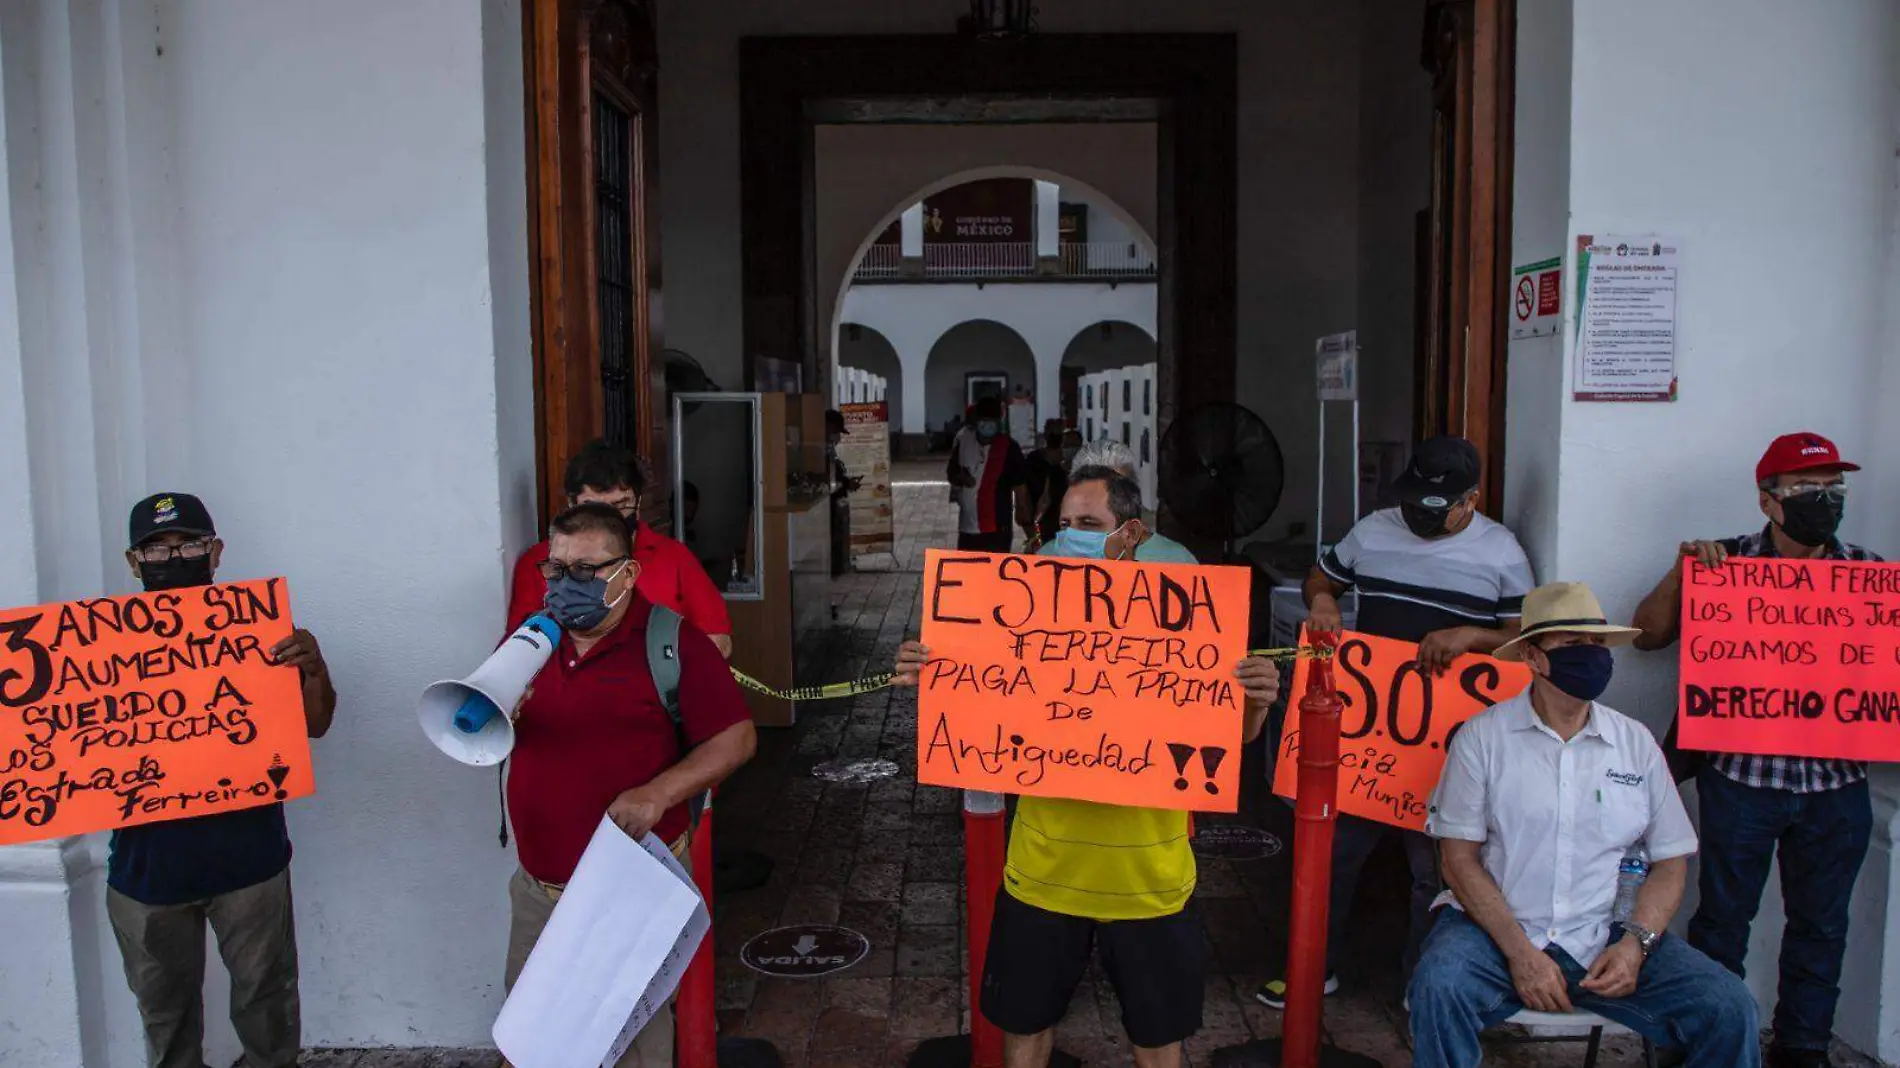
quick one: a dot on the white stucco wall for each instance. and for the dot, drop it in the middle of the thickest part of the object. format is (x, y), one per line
(1047, 315)
(275, 254)
(1782, 193)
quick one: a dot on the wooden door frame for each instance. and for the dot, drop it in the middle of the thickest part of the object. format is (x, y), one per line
(1194, 76)
(570, 48)
(1470, 47)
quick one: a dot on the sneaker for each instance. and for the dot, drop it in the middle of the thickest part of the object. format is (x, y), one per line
(1272, 993)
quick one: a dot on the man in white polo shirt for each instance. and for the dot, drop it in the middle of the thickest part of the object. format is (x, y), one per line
(1541, 798)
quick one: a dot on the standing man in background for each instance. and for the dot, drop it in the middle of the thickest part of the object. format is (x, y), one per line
(1431, 571)
(1049, 475)
(1150, 546)
(1817, 814)
(989, 477)
(231, 870)
(609, 474)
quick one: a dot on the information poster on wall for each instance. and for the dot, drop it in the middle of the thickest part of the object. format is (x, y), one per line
(118, 711)
(865, 452)
(1096, 680)
(1337, 359)
(1795, 658)
(1626, 319)
(1397, 725)
(1537, 300)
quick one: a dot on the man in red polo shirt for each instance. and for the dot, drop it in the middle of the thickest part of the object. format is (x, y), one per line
(592, 738)
(605, 473)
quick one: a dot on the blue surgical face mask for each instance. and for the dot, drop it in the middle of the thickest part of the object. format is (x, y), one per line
(580, 606)
(1582, 671)
(1085, 544)
(986, 428)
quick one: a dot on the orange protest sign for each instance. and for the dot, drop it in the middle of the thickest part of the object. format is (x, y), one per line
(126, 710)
(1791, 658)
(1397, 723)
(1096, 680)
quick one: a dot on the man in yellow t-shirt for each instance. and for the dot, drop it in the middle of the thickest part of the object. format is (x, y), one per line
(1081, 873)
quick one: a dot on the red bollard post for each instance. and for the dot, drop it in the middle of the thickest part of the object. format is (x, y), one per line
(1301, 1041)
(1314, 811)
(696, 1029)
(985, 838)
(983, 847)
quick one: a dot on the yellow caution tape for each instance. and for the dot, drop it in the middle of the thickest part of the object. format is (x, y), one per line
(816, 693)
(878, 682)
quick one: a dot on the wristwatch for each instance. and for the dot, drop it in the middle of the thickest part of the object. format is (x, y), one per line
(1645, 937)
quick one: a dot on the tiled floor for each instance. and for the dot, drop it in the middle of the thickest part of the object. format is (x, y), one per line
(885, 859)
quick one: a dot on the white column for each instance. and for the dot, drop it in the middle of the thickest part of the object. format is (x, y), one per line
(1048, 219)
(910, 233)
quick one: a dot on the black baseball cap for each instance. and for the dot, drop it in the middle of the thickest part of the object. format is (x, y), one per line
(1442, 471)
(166, 513)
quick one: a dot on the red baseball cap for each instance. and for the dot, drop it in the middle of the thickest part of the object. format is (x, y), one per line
(1800, 452)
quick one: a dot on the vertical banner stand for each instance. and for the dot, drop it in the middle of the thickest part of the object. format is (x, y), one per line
(696, 1026)
(1337, 357)
(985, 830)
(1301, 1044)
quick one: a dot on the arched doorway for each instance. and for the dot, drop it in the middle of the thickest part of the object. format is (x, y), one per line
(976, 359)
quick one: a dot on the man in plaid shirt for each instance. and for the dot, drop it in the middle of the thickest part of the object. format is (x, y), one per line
(1815, 812)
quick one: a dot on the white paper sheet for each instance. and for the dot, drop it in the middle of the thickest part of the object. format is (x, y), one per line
(612, 954)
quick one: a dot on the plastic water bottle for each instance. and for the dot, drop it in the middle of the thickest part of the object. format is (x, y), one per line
(1630, 876)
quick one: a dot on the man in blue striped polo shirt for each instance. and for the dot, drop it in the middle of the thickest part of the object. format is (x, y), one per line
(1431, 571)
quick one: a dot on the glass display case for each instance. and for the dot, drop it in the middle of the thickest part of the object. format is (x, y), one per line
(718, 509)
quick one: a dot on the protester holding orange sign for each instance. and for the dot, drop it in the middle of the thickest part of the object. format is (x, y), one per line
(1432, 571)
(1773, 791)
(180, 717)
(1113, 696)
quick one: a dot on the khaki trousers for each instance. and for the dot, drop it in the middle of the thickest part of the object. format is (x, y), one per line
(530, 906)
(163, 947)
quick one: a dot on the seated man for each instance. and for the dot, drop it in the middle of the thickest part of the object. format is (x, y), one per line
(1082, 875)
(1541, 798)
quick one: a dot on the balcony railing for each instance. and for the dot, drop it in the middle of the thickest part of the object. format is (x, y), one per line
(973, 261)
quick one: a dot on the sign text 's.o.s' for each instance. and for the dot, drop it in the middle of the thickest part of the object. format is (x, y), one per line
(1397, 725)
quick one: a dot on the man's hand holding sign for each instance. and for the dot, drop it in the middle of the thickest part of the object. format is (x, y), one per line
(1095, 680)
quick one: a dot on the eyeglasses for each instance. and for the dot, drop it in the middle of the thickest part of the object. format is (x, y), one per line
(554, 570)
(1833, 491)
(159, 554)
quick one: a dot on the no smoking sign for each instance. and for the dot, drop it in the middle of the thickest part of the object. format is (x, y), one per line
(1537, 299)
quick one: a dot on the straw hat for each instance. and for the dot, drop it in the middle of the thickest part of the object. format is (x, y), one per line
(1564, 608)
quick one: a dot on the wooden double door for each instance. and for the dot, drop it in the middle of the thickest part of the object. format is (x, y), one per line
(593, 244)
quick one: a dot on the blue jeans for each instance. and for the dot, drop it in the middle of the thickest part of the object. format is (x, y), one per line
(1463, 985)
(1822, 838)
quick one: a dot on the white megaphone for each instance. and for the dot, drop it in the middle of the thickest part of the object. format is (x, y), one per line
(469, 718)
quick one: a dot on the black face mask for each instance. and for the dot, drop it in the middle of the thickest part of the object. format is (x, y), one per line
(1811, 518)
(1425, 522)
(176, 573)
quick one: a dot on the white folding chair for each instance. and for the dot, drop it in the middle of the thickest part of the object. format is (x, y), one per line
(1592, 1039)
